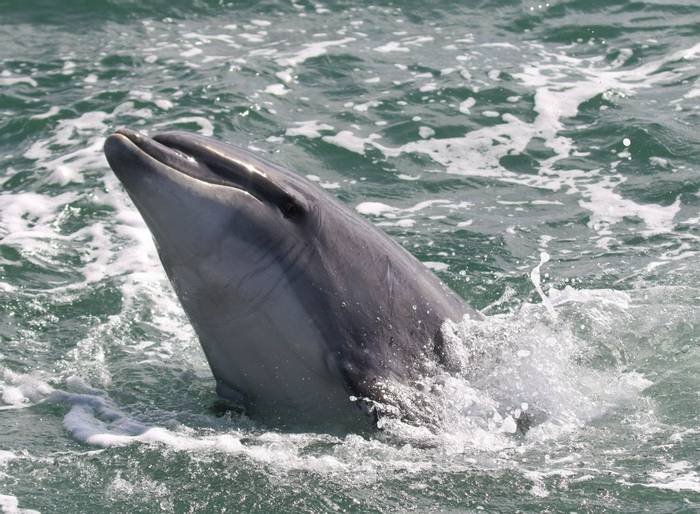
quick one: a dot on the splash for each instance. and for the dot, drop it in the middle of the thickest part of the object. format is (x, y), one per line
(535, 277)
(528, 374)
(521, 379)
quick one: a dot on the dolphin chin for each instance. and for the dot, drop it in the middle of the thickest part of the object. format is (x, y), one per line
(300, 305)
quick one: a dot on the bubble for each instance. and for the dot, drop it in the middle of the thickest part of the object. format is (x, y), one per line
(626, 141)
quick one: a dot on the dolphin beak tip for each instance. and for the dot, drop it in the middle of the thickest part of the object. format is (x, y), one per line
(113, 143)
(116, 140)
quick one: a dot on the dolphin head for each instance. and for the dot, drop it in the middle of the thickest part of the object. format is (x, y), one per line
(203, 200)
(299, 304)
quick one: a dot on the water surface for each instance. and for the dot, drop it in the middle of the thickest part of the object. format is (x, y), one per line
(485, 138)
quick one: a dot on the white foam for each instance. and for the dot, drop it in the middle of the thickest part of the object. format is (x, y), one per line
(6, 456)
(191, 52)
(622, 58)
(677, 476)
(364, 107)
(119, 247)
(382, 209)
(18, 390)
(404, 45)
(96, 421)
(310, 129)
(68, 132)
(26, 218)
(258, 37)
(10, 505)
(436, 266)
(12, 395)
(560, 87)
(687, 482)
(374, 208)
(466, 105)
(285, 76)
(6, 79)
(53, 110)
(349, 141)
(311, 50)
(208, 38)
(478, 153)
(145, 96)
(164, 104)
(276, 89)
(403, 222)
(206, 128)
(31, 221)
(68, 68)
(391, 46)
(660, 162)
(608, 207)
(426, 132)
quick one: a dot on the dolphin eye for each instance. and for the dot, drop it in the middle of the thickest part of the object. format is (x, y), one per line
(291, 208)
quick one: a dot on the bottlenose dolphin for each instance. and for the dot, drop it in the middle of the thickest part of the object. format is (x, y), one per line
(303, 308)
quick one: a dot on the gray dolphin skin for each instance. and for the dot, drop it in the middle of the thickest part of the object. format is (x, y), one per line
(301, 306)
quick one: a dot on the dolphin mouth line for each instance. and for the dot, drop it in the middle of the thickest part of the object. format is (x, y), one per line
(198, 158)
(198, 161)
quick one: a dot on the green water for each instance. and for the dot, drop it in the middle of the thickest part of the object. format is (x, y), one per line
(480, 136)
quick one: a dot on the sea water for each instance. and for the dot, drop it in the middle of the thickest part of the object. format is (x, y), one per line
(541, 157)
